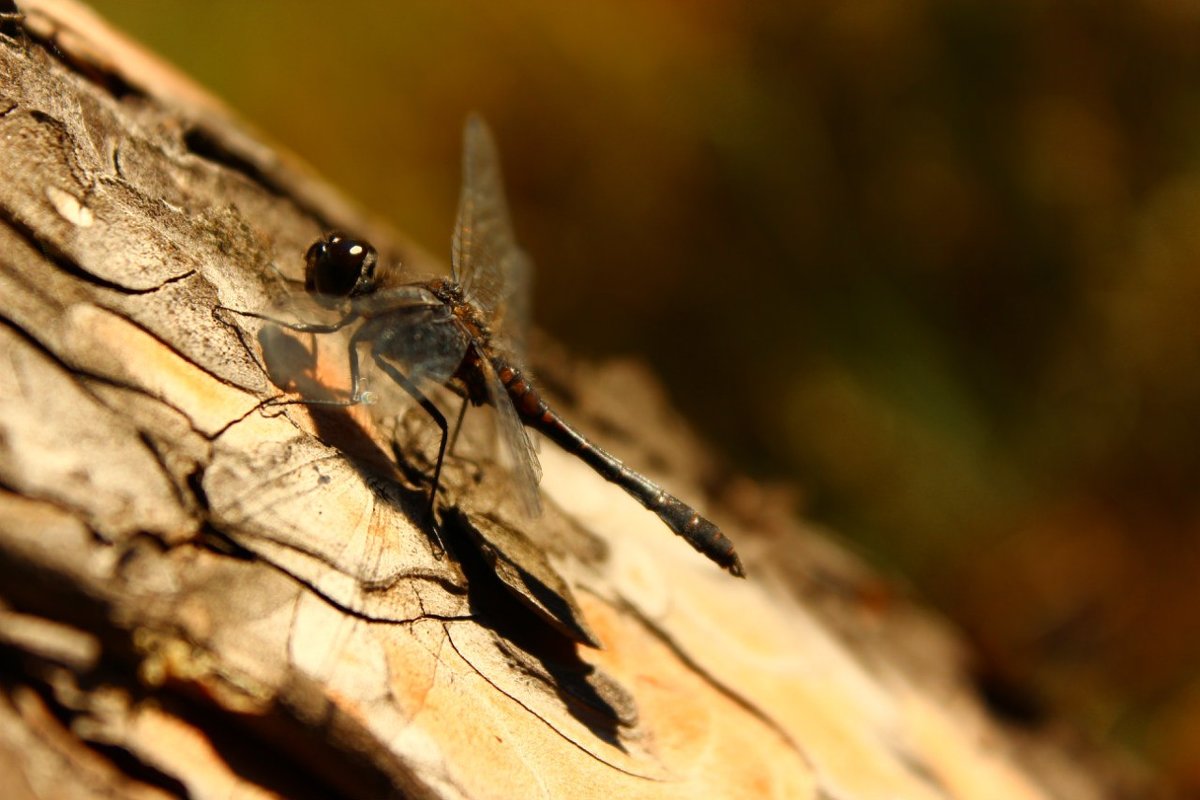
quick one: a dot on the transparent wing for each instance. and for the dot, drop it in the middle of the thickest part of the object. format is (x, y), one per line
(290, 356)
(407, 326)
(511, 320)
(409, 297)
(494, 273)
(527, 472)
(291, 304)
(425, 342)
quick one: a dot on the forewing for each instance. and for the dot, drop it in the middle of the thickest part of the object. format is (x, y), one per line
(511, 319)
(527, 472)
(492, 270)
(422, 339)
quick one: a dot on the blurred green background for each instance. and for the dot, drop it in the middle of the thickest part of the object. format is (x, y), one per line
(936, 262)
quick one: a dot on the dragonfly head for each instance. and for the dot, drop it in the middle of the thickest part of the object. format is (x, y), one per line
(339, 267)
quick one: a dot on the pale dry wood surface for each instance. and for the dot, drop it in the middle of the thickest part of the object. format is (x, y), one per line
(200, 597)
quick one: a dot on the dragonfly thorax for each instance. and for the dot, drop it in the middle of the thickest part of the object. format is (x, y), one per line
(448, 291)
(471, 318)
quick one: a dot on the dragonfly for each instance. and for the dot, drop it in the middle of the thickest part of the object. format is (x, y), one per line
(467, 332)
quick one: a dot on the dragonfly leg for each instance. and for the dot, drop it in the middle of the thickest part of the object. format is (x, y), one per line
(430, 409)
(462, 412)
(301, 327)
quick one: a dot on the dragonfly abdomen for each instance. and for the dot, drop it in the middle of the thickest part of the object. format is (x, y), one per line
(681, 518)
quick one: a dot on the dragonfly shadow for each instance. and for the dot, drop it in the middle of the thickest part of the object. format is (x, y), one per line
(592, 698)
(545, 640)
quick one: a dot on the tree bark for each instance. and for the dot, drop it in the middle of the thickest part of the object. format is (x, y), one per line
(204, 596)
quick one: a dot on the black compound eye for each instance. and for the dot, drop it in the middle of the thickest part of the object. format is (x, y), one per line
(339, 266)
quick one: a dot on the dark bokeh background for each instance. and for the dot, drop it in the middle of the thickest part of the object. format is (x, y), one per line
(937, 262)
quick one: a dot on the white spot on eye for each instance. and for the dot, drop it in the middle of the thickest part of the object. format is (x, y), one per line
(69, 207)
(356, 249)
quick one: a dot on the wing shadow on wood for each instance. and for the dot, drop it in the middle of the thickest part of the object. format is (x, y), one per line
(544, 650)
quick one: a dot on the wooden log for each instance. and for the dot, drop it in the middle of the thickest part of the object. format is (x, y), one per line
(203, 596)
